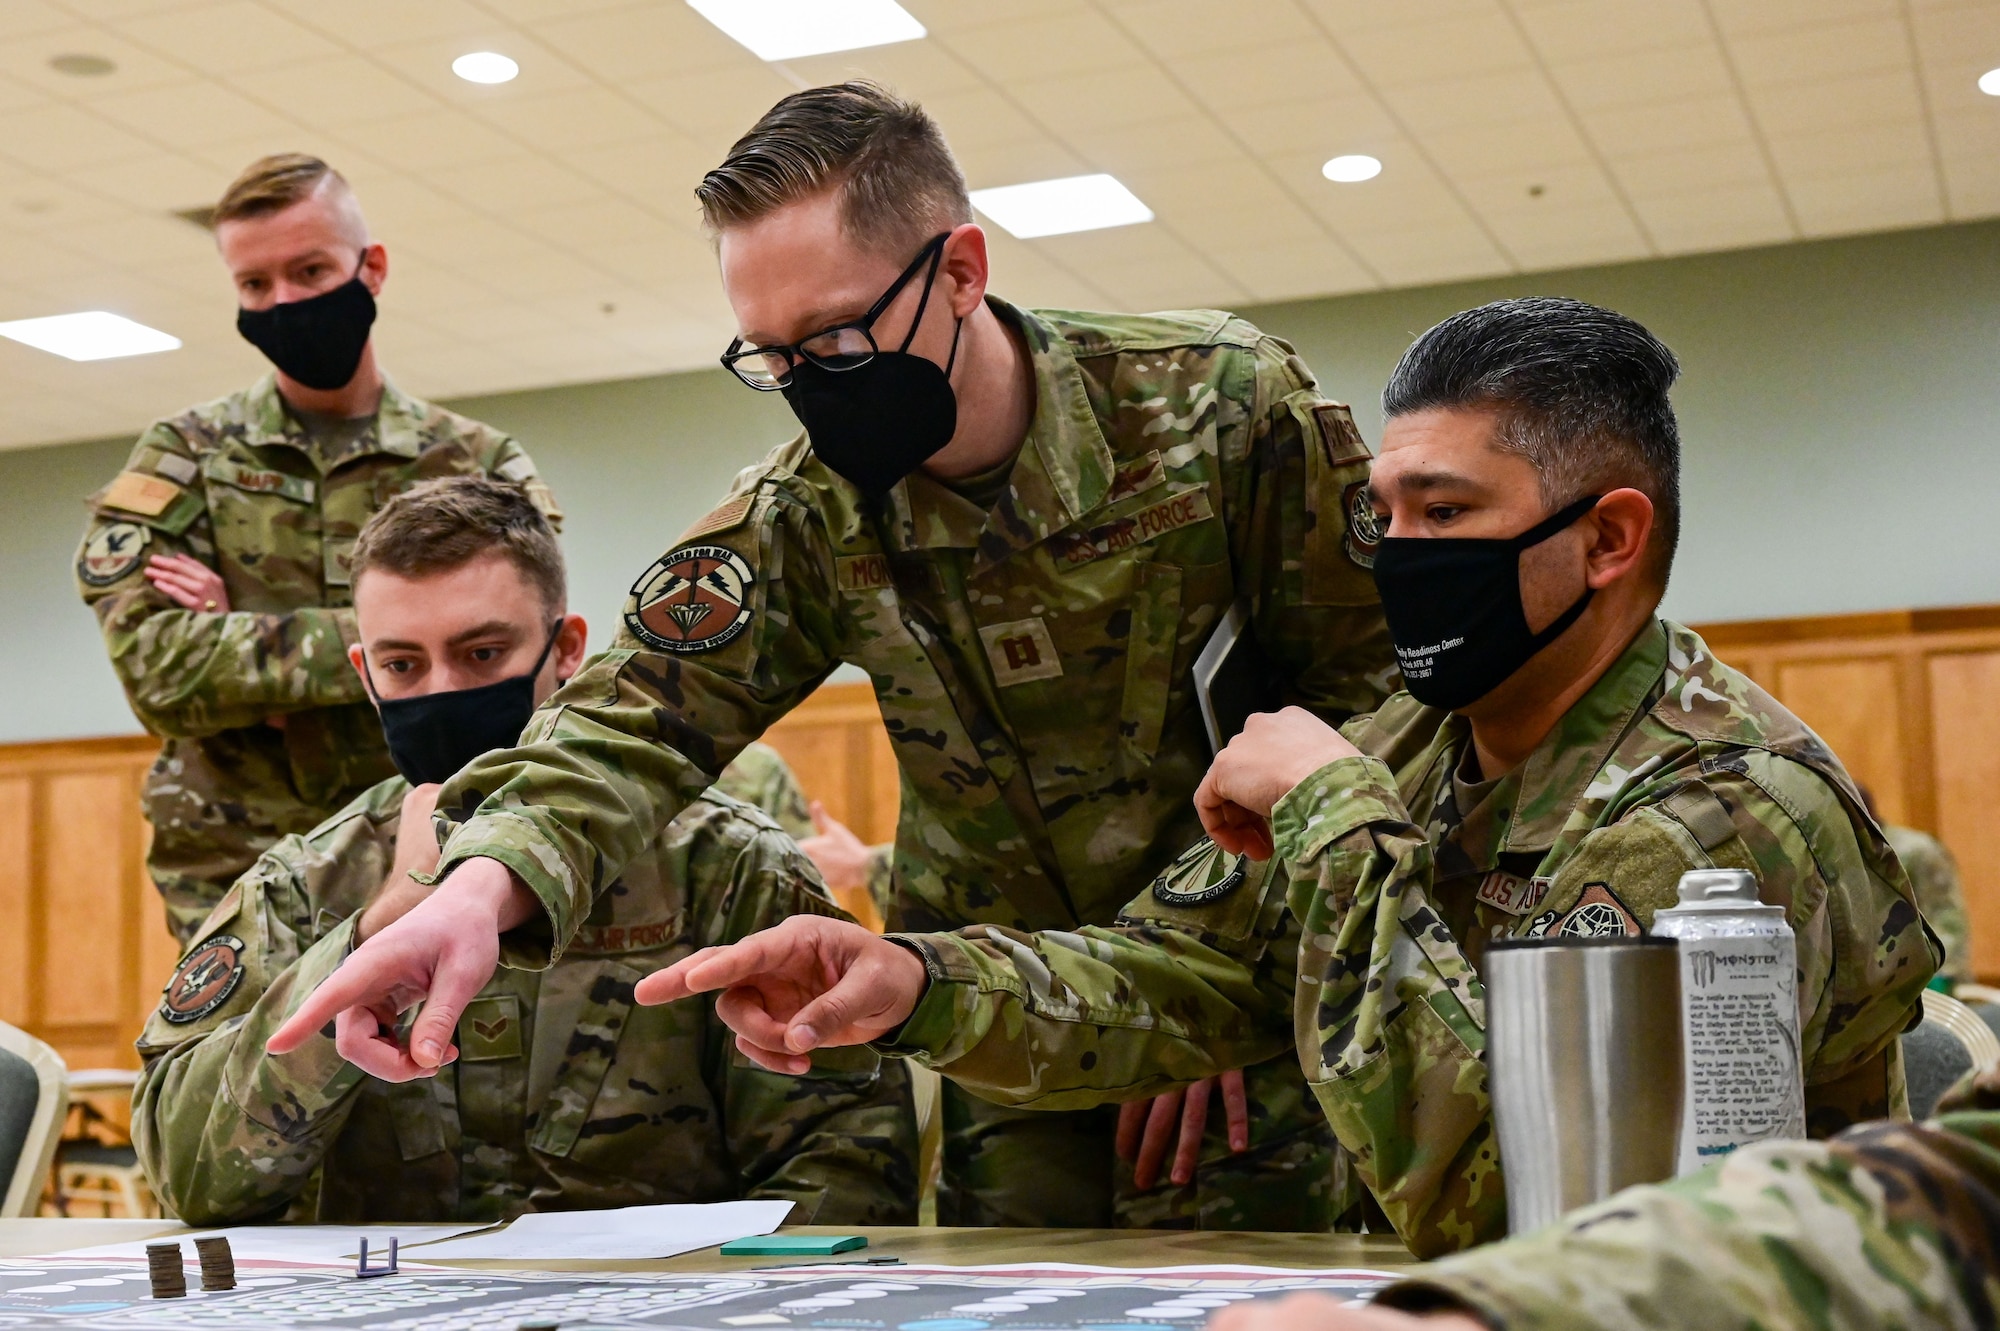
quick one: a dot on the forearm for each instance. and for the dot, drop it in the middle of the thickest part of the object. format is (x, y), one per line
(1889, 1226)
(227, 1132)
(190, 673)
(1065, 1020)
(1394, 1012)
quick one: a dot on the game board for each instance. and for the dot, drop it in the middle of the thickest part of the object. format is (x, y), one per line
(80, 1295)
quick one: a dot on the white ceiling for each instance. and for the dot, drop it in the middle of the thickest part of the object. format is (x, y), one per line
(543, 231)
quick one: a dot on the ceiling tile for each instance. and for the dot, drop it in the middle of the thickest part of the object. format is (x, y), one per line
(1293, 270)
(26, 58)
(1857, 151)
(1301, 70)
(338, 93)
(1741, 17)
(229, 38)
(1475, 100)
(720, 104)
(562, 122)
(1648, 175)
(1371, 16)
(162, 182)
(56, 137)
(1726, 217)
(1525, 151)
(1473, 46)
(433, 141)
(193, 116)
(1586, 232)
(1320, 126)
(1867, 200)
(1174, 29)
(1824, 51)
(359, 19)
(1073, 41)
(1696, 122)
(996, 164)
(22, 18)
(1420, 256)
(1578, 30)
(1179, 145)
(1644, 77)
(1135, 96)
(642, 43)
(919, 70)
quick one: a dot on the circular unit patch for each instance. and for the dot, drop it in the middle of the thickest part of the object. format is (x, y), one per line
(695, 599)
(112, 551)
(1202, 874)
(1365, 526)
(206, 978)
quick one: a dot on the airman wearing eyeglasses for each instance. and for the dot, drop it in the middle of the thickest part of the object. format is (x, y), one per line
(1024, 525)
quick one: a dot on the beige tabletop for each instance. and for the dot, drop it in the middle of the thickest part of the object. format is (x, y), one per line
(947, 1247)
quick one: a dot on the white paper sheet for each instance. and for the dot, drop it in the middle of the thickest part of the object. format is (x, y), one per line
(290, 1243)
(627, 1232)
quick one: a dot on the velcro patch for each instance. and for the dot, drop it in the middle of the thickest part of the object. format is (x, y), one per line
(1512, 893)
(204, 980)
(603, 940)
(693, 599)
(1365, 527)
(112, 551)
(175, 467)
(1339, 435)
(490, 1029)
(721, 518)
(862, 573)
(1136, 477)
(136, 492)
(1020, 651)
(1156, 520)
(1598, 913)
(1204, 872)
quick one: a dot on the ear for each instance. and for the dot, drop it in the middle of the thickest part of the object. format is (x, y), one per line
(1623, 523)
(572, 641)
(965, 262)
(354, 658)
(374, 268)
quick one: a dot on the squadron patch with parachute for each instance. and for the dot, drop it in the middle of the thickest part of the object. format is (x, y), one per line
(693, 599)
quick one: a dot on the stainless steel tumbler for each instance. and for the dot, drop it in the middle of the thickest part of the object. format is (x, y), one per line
(1583, 1058)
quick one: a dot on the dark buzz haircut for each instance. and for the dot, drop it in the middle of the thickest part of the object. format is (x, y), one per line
(440, 525)
(1581, 393)
(899, 184)
(273, 184)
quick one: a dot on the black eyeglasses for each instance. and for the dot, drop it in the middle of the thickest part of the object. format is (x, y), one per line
(842, 347)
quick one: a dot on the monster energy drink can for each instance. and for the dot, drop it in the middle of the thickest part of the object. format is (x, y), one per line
(1739, 1016)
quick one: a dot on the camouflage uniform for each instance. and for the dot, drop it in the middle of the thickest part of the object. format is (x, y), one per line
(241, 485)
(1934, 875)
(1031, 662)
(565, 1095)
(1399, 873)
(761, 777)
(1888, 1227)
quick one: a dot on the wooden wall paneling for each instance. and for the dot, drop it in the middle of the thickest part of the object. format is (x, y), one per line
(1852, 703)
(17, 932)
(86, 925)
(1965, 707)
(837, 747)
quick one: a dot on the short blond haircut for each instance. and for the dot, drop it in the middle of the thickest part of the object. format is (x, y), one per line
(273, 184)
(440, 525)
(899, 184)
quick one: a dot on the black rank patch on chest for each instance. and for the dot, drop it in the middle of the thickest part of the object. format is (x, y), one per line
(1203, 873)
(204, 981)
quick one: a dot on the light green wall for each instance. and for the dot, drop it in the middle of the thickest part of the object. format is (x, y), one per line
(1840, 407)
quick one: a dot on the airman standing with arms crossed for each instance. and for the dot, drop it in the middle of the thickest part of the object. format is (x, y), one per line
(1024, 525)
(1562, 757)
(216, 561)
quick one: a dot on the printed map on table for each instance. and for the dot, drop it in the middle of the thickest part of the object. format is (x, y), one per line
(83, 1295)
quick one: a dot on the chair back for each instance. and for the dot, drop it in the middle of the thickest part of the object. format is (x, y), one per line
(34, 1097)
(1950, 1042)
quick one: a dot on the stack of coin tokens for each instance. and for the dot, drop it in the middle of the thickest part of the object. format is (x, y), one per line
(163, 1264)
(218, 1265)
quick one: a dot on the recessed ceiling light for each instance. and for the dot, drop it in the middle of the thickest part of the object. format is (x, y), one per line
(788, 29)
(1352, 168)
(1989, 83)
(81, 66)
(485, 67)
(1054, 207)
(89, 335)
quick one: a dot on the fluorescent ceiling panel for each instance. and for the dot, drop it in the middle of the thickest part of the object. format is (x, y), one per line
(790, 29)
(89, 335)
(1054, 207)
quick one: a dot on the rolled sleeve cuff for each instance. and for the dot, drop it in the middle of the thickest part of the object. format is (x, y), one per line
(515, 842)
(947, 1005)
(1345, 795)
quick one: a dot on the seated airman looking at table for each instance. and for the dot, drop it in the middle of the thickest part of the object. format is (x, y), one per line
(1562, 756)
(564, 1095)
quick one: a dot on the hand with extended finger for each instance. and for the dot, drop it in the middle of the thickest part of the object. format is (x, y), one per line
(808, 983)
(440, 954)
(1274, 752)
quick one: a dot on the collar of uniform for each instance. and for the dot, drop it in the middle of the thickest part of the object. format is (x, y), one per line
(940, 517)
(1562, 766)
(1065, 466)
(398, 421)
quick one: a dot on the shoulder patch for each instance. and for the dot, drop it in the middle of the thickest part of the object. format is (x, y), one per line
(693, 599)
(1364, 525)
(112, 551)
(1599, 913)
(176, 468)
(721, 518)
(1203, 873)
(1339, 435)
(136, 492)
(204, 981)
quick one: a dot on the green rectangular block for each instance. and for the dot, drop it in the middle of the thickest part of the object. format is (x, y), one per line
(794, 1245)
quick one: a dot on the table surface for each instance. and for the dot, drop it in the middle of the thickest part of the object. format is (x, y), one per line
(933, 1246)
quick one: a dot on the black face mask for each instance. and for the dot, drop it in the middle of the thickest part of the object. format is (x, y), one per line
(317, 341)
(433, 735)
(1454, 609)
(878, 422)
